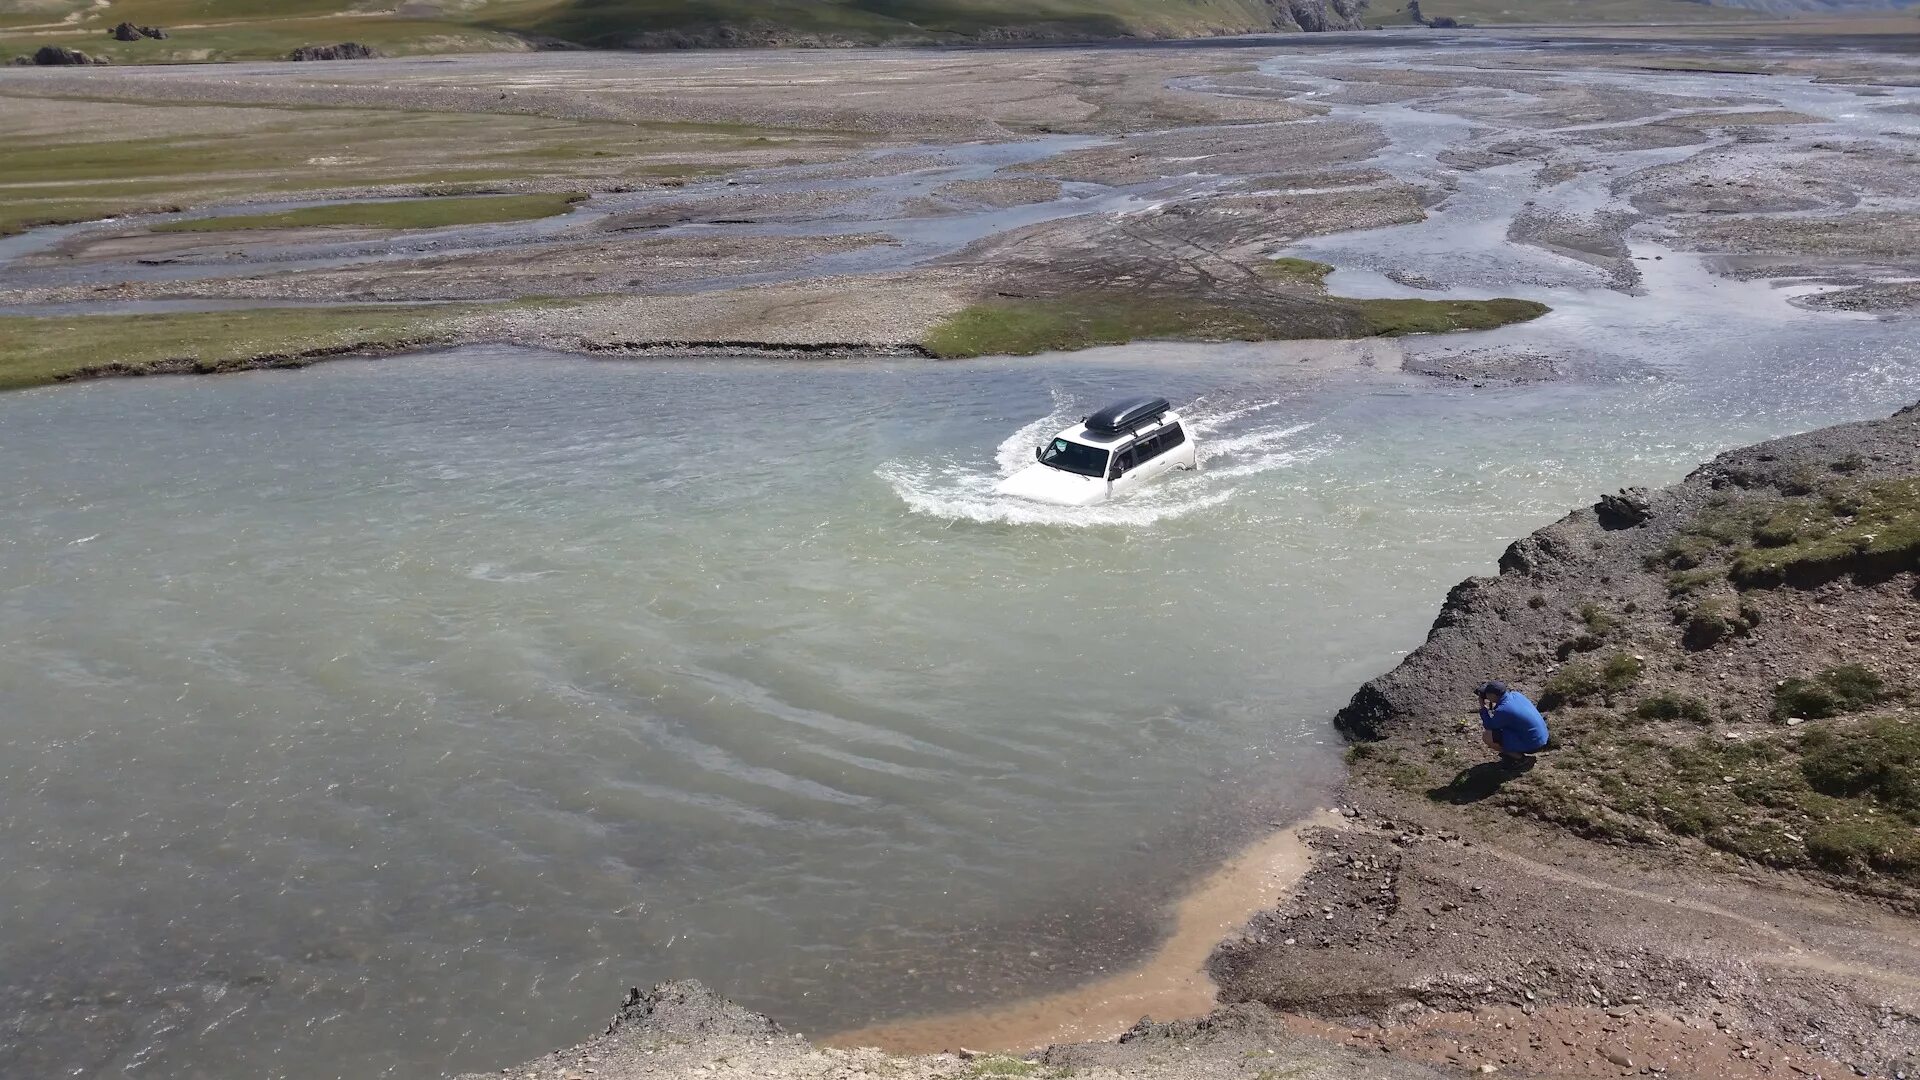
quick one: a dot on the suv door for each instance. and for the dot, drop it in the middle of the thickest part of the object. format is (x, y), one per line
(1124, 474)
(1154, 456)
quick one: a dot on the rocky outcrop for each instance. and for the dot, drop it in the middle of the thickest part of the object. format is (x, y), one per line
(60, 56)
(1617, 555)
(1624, 509)
(127, 31)
(1438, 22)
(1315, 16)
(346, 50)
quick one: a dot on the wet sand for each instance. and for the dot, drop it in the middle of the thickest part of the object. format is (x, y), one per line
(1171, 983)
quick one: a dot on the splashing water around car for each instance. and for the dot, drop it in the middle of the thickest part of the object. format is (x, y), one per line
(1226, 442)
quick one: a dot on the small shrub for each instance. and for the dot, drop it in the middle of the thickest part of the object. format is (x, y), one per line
(1597, 621)
(1848, 688)
(1620, 672)
(1580, 644)
(1688, 582)
(1851, 463)
(1571, 685)
(1670, 706)
(1778, 530)
(1880, 762)
(1854, 686)
(1801, 481)
(1803, 698)
(1712, 621)
(1582, 682)
(1687, 552)
(1852, 847)
(1536, 601)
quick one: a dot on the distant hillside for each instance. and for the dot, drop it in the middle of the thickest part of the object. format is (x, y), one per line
(255, 29)
(246, 29)
(1820, 7)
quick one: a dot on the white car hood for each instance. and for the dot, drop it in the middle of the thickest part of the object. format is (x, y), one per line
(1057, 486)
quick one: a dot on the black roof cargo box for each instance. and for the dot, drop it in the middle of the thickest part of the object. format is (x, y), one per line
(1127, 415)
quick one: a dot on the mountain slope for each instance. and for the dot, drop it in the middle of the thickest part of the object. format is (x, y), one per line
(263, 29)
(246, 29)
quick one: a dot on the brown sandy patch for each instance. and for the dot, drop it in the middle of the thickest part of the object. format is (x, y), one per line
(1171, 983)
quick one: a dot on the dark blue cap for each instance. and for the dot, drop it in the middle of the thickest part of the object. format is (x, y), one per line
(1492, 689)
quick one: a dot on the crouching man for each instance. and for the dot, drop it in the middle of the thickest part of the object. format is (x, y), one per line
(1513, 726)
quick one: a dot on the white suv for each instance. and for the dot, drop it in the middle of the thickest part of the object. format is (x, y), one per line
(1112, 452)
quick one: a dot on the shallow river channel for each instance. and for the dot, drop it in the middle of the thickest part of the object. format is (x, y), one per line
(390, 718)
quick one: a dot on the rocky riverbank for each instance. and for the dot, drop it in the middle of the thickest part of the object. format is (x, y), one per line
(1711, 873)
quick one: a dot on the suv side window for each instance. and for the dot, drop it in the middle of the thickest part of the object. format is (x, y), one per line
(1172, 437)
(1153, 446)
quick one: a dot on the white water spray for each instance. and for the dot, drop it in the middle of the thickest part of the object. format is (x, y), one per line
(1235, 442)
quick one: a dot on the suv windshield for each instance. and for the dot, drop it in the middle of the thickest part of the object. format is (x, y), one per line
(1075, 457)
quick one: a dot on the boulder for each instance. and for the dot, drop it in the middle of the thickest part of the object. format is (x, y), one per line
(154, 32)
(126, 31)
(346, 50)
(60, 56)
(1625, 509)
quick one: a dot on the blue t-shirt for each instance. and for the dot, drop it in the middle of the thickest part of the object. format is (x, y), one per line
(1516, 723)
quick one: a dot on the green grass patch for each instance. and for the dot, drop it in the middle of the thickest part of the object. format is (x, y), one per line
(1829, 527)
(1842, 799)
(1596, 619)
(226, 33)
(1714, 619)
(35, 351)
(619, 22)
(1584, 681)
(1302, 271)
(1393, 318)
(1022, 327)
(19, 216)
(432, 213)
(1669, 707)
(1845, 689)
(1025, 327)
(1875, 529)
